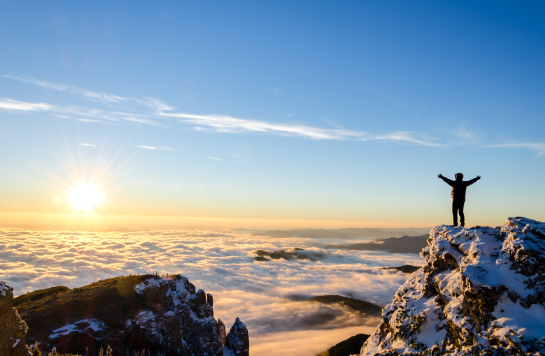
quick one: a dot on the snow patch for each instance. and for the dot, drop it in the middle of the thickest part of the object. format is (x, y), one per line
(227, 352)
(94, 325)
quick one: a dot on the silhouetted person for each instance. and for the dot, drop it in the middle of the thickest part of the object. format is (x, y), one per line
(458, 195)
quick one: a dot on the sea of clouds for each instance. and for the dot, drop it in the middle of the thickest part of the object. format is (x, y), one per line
(265, 295)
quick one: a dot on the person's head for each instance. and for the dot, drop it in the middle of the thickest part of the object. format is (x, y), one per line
(459, 176)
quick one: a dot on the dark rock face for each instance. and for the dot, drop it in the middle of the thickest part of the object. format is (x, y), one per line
(352, 303)
(130, 314)
(404, 269)
(237, 339)
(221, 332)
(481, 292)
(291, 254)
(13, 330)
(350, 346)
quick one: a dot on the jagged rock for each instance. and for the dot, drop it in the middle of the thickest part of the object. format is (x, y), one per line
(199, 305)
(221, 332)
(237, 339)
(13, 330)
(126, 315)
(481, 292)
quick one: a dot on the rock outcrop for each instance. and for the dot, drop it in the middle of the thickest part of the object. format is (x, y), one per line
(13, 330)
(161, 316)
(221, 332)
(237, 339)
(481, 292)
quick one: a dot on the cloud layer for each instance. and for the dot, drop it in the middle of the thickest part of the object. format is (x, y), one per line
(220, 262)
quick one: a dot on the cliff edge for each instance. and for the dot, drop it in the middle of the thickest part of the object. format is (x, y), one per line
(12, 328)
(481, 292)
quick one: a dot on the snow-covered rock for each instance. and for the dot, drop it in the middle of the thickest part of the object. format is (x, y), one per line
(12, 329)
(162, 315)
(481, 292)
(237, 339)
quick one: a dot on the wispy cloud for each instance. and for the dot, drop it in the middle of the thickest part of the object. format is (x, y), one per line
(464, 134)
(219, 159)
(539, 147)
(216, 123)
(90, 114)
(224, 123)
(150, 111)
(104, 98)
(155, 148)
(405, 136)
(11, 104)
(88, 144)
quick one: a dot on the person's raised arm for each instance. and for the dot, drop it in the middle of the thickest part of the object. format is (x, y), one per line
(469, 182)
(448, 181)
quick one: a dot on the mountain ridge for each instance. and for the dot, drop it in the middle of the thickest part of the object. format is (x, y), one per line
(161, 315)
(481, 292)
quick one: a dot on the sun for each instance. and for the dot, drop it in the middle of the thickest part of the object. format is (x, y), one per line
(85, 198)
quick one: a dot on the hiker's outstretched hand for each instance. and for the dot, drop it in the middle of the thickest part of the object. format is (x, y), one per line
(478, 177)
(440, 176)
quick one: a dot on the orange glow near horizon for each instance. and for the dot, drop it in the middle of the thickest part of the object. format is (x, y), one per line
(93, 221)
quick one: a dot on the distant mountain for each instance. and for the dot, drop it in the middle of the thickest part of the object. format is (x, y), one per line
(345, 233)
(405, 244)
(162, 315)
(291, 254)
(405, 268)
(350, 346)
(352, 303)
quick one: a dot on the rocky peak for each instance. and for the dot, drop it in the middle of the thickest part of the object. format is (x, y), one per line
(481, 292)
(237, 339)
(13, 330)
(164, 316)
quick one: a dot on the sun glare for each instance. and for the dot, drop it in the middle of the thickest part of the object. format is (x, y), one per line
(85, 198)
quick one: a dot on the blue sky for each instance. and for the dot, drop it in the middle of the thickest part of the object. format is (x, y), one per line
(337, 111)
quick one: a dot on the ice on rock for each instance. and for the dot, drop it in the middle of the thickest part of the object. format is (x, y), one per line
(481, 292)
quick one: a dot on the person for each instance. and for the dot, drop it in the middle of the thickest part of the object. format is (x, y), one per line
(458, 195)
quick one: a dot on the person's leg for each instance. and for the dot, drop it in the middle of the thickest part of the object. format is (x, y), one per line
(461, 210)
(454, 213)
